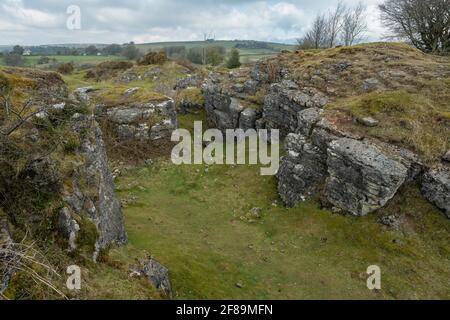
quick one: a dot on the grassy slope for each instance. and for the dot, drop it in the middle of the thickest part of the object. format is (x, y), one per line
(193, 219)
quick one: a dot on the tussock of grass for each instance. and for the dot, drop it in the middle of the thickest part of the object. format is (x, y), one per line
(114, 96)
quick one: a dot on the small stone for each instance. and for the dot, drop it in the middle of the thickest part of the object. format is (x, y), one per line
(391, 221)
(371, 84)
(369, 122)
(131, 91)
(239, 285)
(255, 212)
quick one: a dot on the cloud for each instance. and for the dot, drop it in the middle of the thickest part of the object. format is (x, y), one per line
(107, 21)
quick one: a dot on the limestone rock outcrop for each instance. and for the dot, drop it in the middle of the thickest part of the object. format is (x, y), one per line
(141, 121)
(99, 202)
(436, 188)
(285, 101)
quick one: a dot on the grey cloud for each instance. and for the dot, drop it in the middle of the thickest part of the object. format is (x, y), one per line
(43, 21)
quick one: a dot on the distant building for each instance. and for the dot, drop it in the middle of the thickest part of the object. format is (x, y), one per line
(27, 52)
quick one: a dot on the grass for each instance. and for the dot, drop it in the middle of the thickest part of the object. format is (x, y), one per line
(194, 219)
(416, 120)
(31, 61)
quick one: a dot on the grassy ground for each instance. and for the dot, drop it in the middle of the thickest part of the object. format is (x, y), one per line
(194, 219)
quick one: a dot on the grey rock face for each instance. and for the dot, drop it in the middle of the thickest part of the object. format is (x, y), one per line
(362, 178)
(158, 275)
(302, 171)
(100, 202)
(307, 119)
(82, 94)
(285, 101)
(436, 188)
(248, 119)
(69, 228)
(222, 111)
(190, 81)
(146, 121)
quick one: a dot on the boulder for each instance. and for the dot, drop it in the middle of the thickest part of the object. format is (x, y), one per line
(362, 179)
(158, 275)
(436, 188)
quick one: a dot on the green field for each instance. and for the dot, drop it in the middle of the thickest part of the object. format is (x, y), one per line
(31, 61)
(246, 54)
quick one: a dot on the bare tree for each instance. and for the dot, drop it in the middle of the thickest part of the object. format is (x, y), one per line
(334, 24)
(354, 24)
(425, 23)
(317, 37)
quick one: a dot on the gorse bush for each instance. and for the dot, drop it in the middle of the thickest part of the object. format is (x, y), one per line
(153, 58)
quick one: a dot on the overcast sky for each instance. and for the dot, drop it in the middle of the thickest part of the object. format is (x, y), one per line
(33, 22)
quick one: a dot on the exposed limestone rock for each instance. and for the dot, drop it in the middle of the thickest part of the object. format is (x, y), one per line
(99, 202)
(156, 273)
(248, 119)
(222, 111)
(302, 171)
(142, 121)
(69, 228)
(189, 81)
(436, 188)
(371, 84)
(362, 178)
(285, 101)
(369, 122)
(82, 94)
(131, 91)
(307, 119)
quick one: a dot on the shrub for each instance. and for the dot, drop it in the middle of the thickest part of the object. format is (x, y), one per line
(13, 59)
(66, 68)
(43, 60)
(153, 58)
(234, 59)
